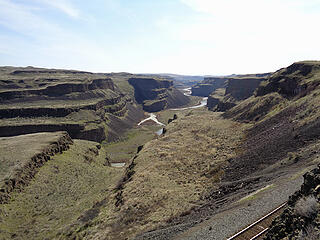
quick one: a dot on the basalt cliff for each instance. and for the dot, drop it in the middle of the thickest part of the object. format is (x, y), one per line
(87, 105)
(204, 168)
(156, 94)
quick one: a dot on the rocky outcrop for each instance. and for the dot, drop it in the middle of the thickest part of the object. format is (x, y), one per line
(237, 89)
(208, 85)
(301, 218)
(157, 94)
(154, 105)
(95, 133)
(57, 90)
(212, 102)
(109, 105)
(149, 88)
(62, 100)
(23, 174)
(222, 106)
(14, 130)
(292, 81)
(202, 89)
(242, 88)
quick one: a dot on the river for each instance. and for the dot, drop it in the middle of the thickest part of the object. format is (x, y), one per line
(186, 92)
(152, 117)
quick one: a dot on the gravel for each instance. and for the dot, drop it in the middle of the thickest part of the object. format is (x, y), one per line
(226, 223)
(236, 217)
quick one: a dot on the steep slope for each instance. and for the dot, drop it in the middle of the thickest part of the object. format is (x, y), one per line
(169, 176)
(244, 90)
(63, 197)
(238, 88)
(22, 156)
(301, 218)
(286, 111)
(278, 138)
(157, 94)
(208, 85)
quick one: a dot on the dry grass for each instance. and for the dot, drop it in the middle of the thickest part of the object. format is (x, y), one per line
(257, 108)
(16, 152)
(126, 148)
(172, 172)
(307, 207)
(64, 196)
(309, 234)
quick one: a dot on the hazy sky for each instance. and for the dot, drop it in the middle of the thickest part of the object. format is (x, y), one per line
(160, 36)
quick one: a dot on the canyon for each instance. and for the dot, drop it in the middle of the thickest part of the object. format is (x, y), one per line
(80, 157)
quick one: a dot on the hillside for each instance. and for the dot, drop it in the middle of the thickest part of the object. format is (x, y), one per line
(206, 169)
(157, 94)
(55, 186)
(274, 139)
(169, 176)
(51, 124)
(84, 104)
(237, 88)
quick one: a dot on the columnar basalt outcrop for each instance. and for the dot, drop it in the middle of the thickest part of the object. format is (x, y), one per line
(111, 105)
(237, 89)
(242, 88)
(149, 88)
(212, 102)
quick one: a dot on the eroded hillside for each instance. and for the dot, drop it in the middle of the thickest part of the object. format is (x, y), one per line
(170, 175)
(279, 139)
(53, 181)
(55, 187)
(82, 103)
(206, 164)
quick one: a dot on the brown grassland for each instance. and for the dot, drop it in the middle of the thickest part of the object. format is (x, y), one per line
(171, 174)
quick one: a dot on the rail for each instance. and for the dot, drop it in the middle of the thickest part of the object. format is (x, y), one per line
(251, 233)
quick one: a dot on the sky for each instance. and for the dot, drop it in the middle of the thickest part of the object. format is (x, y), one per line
(194, 37)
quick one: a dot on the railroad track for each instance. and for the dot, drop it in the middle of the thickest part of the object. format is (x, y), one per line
(257, 229)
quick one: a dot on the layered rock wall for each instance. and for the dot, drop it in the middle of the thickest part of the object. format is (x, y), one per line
(157, 94)
(237, 89)
(57, 90)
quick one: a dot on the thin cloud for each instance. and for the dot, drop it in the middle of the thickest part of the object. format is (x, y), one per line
(206, 37)
(64, 6)
(35, 40)
(19, 18)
